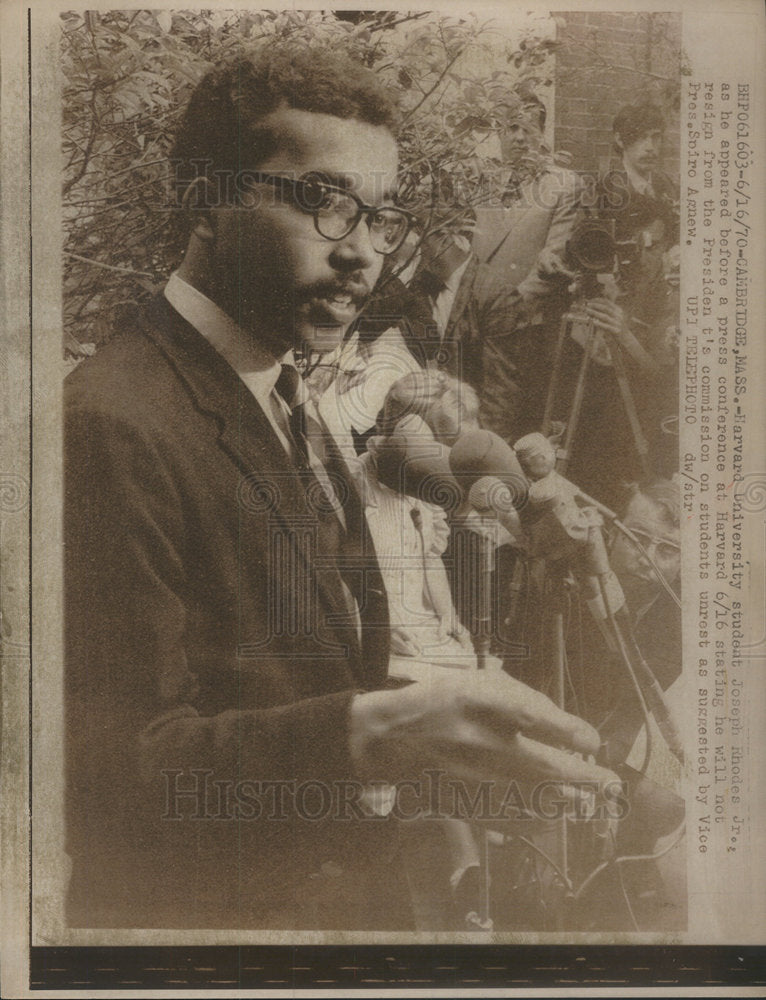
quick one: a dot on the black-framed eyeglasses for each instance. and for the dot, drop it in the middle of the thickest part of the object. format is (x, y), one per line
(337, 212)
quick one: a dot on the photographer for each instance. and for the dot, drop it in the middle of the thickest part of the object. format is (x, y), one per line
(641, 201)
(622, 261)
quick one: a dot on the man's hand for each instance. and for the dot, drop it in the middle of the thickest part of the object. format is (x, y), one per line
(551, 265)
(475, 726)
(607, 315)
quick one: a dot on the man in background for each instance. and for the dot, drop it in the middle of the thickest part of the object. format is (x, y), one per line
(479, 324)
(523, 237)
(640, 196)
(522, 241)
(640, 201)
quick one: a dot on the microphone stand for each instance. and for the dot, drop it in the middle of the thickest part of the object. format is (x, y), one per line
(563, 541)
(476, 573)
(486, 567)
(481, 644)
(554, 610)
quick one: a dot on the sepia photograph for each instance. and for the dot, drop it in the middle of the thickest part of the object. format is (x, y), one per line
(396, 538)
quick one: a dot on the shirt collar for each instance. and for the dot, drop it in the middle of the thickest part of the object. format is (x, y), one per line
(642, 185)
(256, 365)
(453, 282)
(407, 273)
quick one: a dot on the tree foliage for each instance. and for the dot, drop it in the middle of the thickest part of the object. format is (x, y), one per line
(128, 75)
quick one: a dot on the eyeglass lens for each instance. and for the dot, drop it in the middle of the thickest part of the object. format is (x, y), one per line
(337, 213)
(664, 549)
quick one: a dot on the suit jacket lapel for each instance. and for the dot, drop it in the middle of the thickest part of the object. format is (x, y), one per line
(462, 298)
(358, 556)
(515, 213)
(244, 431)
(243, 428)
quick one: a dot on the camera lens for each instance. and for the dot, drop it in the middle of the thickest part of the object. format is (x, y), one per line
(591, 247)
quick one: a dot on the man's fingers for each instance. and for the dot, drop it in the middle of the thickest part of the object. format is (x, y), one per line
(528, 760)
(513, 706)
(545, 763)
(550, 263)
(560, 268)
(477, 725)
(605, 313)
(516, 757)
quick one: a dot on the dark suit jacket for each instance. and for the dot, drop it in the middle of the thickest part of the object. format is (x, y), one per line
(617, 199)
(485, 345)
(394, 304)
(207, 640)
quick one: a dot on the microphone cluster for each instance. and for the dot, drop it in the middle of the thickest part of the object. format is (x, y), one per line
(517, 485)
(520, 487)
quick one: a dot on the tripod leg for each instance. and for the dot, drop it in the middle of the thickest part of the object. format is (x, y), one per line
(483, 636)
(565, 452)
(621, 375)
(554, 619)
(553, 388)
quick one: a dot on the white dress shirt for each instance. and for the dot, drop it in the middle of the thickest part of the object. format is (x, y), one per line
(641, 185)
(258, 369)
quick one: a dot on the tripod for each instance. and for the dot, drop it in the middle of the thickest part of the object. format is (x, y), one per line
(591, 337)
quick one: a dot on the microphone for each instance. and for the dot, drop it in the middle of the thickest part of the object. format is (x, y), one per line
(418, 465)
(480, 453)
(559, 528)
(489, 495)
(537, 457)
(545, 501)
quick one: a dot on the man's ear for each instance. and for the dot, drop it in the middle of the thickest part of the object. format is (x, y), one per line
(618, 141)
(197, 203)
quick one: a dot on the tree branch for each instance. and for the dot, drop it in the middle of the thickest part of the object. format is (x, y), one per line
(108, 267)
(402, 20)
(428, 93)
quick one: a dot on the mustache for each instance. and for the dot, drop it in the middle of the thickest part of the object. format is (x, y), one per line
(357, 289)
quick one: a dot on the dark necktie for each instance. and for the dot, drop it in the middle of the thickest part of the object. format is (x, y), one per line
(429, 283)
(333, 537)
(287, 387)
(512, 192)
(321, 442)
(424, 291)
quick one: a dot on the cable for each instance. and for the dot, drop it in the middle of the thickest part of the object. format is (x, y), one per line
(626, 660)
(580, 657)
(678, 834)
(625, 896)
(567, 672)
(668, 588)
(538, 850)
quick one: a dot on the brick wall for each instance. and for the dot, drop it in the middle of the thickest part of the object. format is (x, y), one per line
(606, 60)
